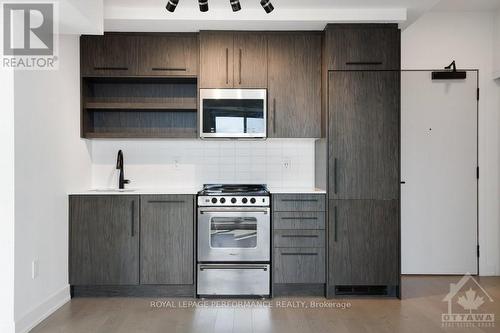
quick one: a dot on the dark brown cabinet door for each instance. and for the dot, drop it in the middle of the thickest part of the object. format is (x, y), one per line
(175, 55)
(364, 134)
(216, 60)
(360, 47)
(250, 60)
(108, 55)
(364, 242)
(294, 85)
(167, 223)
(104, 240)
(299, 265)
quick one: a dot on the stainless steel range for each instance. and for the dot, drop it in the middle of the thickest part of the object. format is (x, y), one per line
(234, 241)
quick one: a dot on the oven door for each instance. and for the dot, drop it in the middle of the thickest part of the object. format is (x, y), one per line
(228, 234)
(233, 113)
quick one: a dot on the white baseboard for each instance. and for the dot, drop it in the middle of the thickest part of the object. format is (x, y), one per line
(43, 310)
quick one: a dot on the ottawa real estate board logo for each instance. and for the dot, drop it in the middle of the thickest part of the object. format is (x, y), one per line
(29, 36)
(465, 300)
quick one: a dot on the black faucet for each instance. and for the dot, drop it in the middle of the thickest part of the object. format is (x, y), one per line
(119, 166)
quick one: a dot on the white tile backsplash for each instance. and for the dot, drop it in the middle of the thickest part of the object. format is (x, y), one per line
(153, 164)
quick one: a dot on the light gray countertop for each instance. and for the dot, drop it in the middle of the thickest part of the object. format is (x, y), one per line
(132, 191)
(187, 190)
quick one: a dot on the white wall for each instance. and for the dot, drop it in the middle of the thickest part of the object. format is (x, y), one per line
(467, 37)
(7, 201)
(190, 163)
(50, 160)
(496, 42)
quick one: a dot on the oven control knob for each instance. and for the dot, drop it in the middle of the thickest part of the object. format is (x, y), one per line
(214, 200)
(244, 200)
(253, 200)
(222, 200)
(233, 200)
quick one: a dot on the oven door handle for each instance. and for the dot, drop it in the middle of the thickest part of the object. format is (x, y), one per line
(228, 266)
(213, 211)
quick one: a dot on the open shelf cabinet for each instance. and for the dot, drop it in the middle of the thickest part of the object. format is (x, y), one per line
(139, 107)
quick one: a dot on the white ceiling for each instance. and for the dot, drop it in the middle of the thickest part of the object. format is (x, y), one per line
(150, 15)
(282, 4)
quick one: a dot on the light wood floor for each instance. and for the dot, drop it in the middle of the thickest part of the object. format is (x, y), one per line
(419, 311)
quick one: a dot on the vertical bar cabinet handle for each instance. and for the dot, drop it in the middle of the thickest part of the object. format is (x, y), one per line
(335, 217)
(132, 226)
(227, 65)
(274, 115)
(240, 66)
(335, 166)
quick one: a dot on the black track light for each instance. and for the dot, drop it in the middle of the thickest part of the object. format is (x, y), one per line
(235, 5)
(267, 5)
(171, 5)
(203, 5)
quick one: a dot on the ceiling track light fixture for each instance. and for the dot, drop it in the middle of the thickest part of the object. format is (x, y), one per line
(203, 5)
(171, 5)
(235, 5)
(267, 5)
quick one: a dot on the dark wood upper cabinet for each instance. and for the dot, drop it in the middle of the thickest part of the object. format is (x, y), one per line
(364, 243)
(233, 60)
(109, 55)
(170, 55)
(294, 85)
(364, 134)
(250, 60)
(363, 46)
(216, 60)
(104, 240)
(167, 237)
(154, 54)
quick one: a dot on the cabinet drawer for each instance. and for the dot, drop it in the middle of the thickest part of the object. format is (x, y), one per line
(299, 220)
(299, 238)
(299, 202)
(299, 265)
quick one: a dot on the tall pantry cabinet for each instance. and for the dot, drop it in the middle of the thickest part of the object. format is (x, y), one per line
(363, 89)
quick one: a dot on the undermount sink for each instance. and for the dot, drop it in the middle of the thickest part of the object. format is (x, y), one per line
(113, 190)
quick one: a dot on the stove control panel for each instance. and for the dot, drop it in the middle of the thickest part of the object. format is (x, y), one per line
(228, 201)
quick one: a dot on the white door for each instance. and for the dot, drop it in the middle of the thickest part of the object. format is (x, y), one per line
(438, 164)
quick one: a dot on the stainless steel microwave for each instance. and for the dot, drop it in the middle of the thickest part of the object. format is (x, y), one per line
(233, 113)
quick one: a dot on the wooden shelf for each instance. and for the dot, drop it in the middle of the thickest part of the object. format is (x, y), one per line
(187, 134)
(178, 106)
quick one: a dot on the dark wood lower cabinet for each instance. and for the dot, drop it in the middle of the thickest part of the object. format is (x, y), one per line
(299, 265)
(126, 245)
(364, 245)
(104, 240)
(167, 236)
(299, 255)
